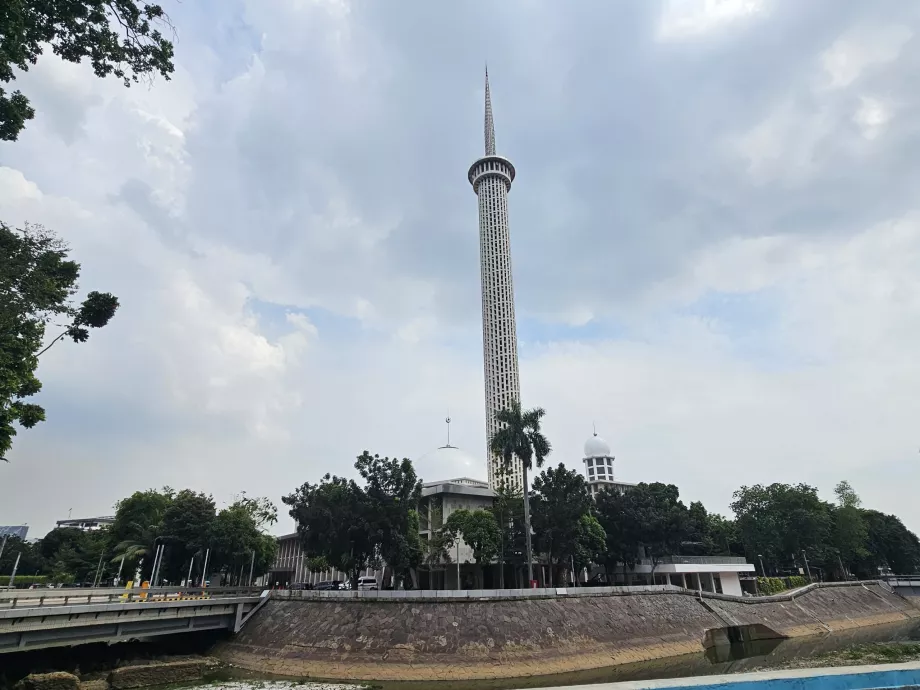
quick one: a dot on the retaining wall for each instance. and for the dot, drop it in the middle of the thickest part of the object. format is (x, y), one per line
(510, 633)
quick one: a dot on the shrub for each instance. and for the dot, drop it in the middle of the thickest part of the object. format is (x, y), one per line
(24, 580)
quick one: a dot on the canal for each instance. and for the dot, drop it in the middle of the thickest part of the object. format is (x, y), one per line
(751, 656)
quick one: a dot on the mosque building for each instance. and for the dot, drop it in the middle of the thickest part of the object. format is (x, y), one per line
(491, 177)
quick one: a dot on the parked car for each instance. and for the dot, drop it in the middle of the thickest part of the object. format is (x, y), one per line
(328, 585)
(366, 583)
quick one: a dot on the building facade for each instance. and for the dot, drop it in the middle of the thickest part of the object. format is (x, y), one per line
(87, 524)
(491, 177)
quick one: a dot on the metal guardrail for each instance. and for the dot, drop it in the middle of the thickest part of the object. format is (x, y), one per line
(39, 598)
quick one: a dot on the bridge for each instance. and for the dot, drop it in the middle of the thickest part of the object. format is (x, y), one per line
(36, 619)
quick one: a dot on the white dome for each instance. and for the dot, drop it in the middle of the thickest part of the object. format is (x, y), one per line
(448, 461)
(596, 447)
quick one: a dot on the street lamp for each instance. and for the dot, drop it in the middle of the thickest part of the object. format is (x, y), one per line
(807, 569)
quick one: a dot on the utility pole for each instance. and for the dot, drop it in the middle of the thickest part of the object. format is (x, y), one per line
(188, 580)
(204, 568)
(98, 575)
(252, 565)
(763, 573)
(3, 545)
(15, 567)
(843, 571)
(120, 566)
(807, 568)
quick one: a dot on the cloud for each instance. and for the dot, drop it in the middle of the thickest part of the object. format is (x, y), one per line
(714, 234)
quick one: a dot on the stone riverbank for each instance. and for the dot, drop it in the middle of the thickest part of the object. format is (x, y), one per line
(420, 636)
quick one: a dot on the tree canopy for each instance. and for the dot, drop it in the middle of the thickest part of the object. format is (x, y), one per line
(353, 527)
(118, 37)
(561, 499)
(37, 286)
(519, 435)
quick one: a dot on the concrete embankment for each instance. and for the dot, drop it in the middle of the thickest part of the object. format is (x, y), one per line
(509, 634)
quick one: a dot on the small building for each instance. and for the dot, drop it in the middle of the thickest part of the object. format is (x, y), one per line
(87, 524)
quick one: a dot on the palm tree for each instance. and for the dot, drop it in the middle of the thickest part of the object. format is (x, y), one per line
(519, 435)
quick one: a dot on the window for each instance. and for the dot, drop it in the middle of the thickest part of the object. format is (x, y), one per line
(590, 463)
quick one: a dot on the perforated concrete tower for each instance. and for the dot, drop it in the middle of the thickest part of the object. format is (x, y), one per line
(491, 177)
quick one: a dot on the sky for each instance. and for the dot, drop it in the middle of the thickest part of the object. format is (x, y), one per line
(715, 231)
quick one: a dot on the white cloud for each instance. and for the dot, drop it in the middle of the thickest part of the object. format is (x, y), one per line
(315, 168)
(683, 19)
(861, 48)
(872, 116)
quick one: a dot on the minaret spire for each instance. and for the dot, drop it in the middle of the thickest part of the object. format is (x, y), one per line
(489, 124)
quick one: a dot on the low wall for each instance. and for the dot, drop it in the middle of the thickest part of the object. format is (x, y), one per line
(510, 633)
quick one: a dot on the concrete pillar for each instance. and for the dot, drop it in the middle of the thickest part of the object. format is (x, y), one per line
(683, 580)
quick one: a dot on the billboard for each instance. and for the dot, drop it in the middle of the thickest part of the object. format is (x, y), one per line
(14, 531)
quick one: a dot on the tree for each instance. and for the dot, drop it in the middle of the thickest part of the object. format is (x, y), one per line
(238, 542)
(392, 494)
(647, 517)
(118, 37)
(138, 524)
(333, 520)
(72, 555)
(561, 497)
(37, 282)
(519, 436)
(849, 533)
(508, 508)
(889, 544)
(31, 558)
(780, 521)
(590, 544)
(616, 514)
(662, 520)
(480, 531)
(186, 530)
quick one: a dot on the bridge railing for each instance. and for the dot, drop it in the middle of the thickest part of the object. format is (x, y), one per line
(32, 598)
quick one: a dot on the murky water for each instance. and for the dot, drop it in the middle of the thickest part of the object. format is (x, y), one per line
(760, 655)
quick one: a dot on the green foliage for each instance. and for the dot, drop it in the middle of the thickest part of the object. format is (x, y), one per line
(519, 435)
(37, 284)
(479, 530)
(647, 517)
(561, 499)
(353, 527)
(889, 544)
(31, 560)
(776, 585)
(317, 564)
(138, 524)
(781, 519)
(333, 520)
(392, 490)
(118, 37)
(237, 543)
(590, 543)
(508, 509)
(24, 580)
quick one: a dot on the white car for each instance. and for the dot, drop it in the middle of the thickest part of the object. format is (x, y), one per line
(366, 583)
